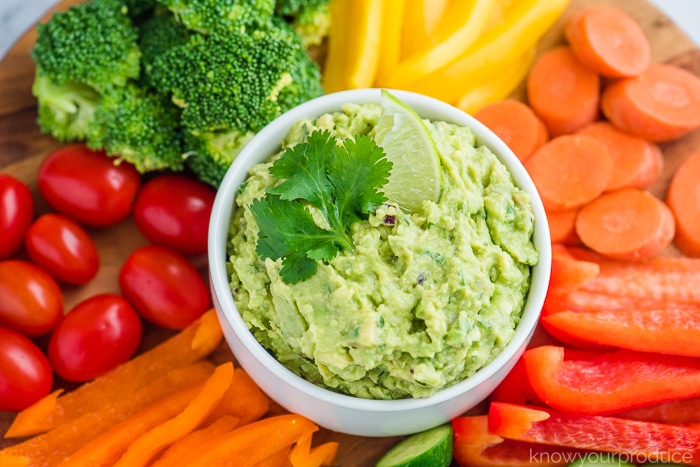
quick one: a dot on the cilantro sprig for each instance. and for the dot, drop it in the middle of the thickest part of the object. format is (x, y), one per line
(342, 181)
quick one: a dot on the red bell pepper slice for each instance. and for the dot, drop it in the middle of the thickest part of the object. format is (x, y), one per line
(667, 330)
(630, 438)
(681, 411)
(475, 446)
(569, 273)
(609, 382)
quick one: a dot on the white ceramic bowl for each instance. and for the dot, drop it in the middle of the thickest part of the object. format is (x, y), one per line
(343, 413)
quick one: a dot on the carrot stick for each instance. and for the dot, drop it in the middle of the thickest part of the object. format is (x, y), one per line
(243, 445)
(187, 346)
(243, 400)
(683, 198)
(516, 124)
(54, 446)
(143, 449)
(569, 171)
(303, 455)
(627, 224)
(562, 91)
(562, 226)
(194, 440)
(637, 163)
(656, 280)
(609, 41)
(660, 104)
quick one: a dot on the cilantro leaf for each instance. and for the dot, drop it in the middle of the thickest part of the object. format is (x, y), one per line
(342, 181)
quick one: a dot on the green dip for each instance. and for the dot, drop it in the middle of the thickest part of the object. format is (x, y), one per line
(424, 301)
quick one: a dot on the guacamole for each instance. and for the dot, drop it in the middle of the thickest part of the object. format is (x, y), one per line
(423, 301)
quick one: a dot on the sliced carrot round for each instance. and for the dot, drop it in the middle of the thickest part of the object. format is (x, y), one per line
(516, 124)
(562, 91)
(569, 171)
(683, 197)
(661, 104)
(608, 41)
(637, 162)
(627, 224)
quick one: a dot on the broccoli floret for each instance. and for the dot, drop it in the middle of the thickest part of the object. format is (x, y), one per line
(208, 16)
(93, 43)
(211, 153)
(238, 80)
(158, 34)
(311, 19)
(137, 9)
(66, 110)
(138, 126)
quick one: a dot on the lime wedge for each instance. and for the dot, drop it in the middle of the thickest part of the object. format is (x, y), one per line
(408, 144)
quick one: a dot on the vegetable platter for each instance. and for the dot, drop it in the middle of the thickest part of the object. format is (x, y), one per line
(23, 148)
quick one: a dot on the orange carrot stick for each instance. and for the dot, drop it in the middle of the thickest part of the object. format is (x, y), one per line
(627, 224)
(303, 455)
(516, 124)
(189, 345)
(54, 446)
(562, 226)
(637, 163)
(683, 197)
(243, 400)
(570, 170)
(243, 445)
(148, 445)
(194, 440)
(609, 41)
(660, 104)
(562, 91)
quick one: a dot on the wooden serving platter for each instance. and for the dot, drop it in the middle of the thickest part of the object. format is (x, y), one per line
(23, 147)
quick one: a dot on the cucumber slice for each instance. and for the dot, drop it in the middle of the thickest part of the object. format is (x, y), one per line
(431, 448)
(599, 460)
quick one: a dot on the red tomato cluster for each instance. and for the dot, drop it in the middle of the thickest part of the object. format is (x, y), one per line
(39, 254)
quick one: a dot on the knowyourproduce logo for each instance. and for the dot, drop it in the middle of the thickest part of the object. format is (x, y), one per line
(611, 459)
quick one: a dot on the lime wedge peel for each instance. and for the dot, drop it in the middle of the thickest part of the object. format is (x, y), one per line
(407, 142)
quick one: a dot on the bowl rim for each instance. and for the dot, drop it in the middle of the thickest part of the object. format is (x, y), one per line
(271, 135)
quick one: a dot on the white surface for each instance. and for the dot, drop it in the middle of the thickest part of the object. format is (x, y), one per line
(18, 15)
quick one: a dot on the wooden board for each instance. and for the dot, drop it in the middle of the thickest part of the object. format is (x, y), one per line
(22, 149)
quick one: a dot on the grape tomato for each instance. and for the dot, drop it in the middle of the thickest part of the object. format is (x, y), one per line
(16, 214)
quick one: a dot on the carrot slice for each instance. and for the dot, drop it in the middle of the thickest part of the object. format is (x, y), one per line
(148, 445)
(516, 124)
(683, 197)
(660, 104)
(637, 163)
(195, 439)
(242, 446)
(608, 41)
(562, 91)
(54, 446)
(627, 224)
(562, 226)
(189, 345)
(569, 171)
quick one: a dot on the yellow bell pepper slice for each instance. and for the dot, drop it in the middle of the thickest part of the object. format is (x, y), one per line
(526, 23)
(390, 40)
(353, 48)
(460, 27)
(501, 85)
(420, 19)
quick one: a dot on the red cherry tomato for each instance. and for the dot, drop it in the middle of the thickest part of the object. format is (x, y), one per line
(173, 211)
(163, 287)
(95, 336)
(88, 186)
(16, 214)
(63, 248)
(25, 372)
(31, 302)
